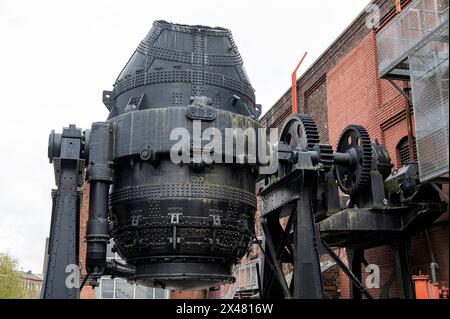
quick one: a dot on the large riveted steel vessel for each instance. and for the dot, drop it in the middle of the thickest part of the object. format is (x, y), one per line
(181, 226)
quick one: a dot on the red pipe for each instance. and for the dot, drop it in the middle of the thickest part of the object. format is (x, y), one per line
(294, 85)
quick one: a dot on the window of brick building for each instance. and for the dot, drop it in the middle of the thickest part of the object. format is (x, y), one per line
(403, 152)
(118, 288)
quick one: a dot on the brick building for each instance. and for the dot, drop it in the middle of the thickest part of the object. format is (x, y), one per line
(32, 283)
(343, 87)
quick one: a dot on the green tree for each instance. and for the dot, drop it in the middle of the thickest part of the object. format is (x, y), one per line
(10, 281)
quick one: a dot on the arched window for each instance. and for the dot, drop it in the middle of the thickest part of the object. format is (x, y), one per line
(403, 152)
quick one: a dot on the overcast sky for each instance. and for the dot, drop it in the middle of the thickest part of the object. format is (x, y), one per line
(56, 58)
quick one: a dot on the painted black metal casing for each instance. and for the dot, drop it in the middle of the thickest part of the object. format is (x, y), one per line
(180, 226)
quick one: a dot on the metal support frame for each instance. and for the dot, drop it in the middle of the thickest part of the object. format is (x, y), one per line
(440, 191)
(279, 276)
(400, 90)
(272, 223)
(355, 257)
(298, 243)
(370, 220)
(408, 107)
(258, 278)
(64, 230)
(361, 229)
(308, 278)
(402, 258)
(385, 289)
(353, 278)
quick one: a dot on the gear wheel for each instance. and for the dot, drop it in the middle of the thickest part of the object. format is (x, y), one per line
(300, 132)
(355, 177)
(325, 152)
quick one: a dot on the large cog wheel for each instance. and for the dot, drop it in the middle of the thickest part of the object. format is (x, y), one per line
(299, 133)
(355, 141)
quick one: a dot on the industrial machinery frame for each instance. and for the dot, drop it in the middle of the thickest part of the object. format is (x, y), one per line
(383, 208)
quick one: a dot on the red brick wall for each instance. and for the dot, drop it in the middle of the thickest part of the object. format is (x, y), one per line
(195, 294)
(353, 91)
(316, 106)
(330, 278)
(391, 138)
(356, 95)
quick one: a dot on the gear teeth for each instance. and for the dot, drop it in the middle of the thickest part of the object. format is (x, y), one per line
(325, 156)
(366, 164)
(312, 134)
(367, 159)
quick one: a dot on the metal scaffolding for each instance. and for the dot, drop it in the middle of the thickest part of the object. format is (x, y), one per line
(414, 47)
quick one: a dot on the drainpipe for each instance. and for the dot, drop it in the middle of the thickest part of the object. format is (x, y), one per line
(408, 107)
(434, 266)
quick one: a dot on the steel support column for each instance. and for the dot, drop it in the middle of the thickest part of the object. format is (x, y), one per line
(61, 275)
(270, 244)
(355, 258)
(403, 268)
(307, 274)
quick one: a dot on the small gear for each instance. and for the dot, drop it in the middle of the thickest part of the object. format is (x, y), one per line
(355, 177)
(325, 152)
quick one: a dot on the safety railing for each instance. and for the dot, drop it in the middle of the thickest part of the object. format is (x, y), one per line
(417, 21)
